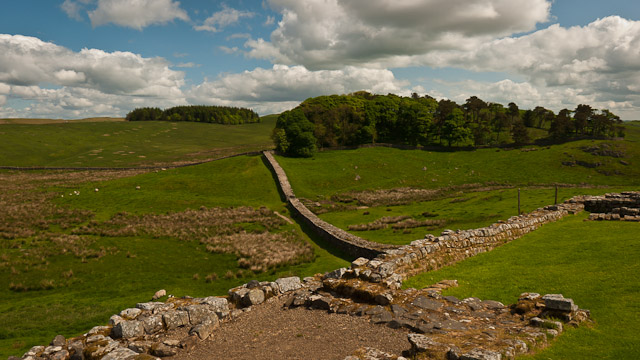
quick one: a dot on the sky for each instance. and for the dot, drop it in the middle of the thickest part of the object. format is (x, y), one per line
(85, 58)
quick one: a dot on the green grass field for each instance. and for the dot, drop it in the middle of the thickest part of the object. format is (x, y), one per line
(133, 268)
(122, 144)
(140, 265)
(594, 263)
(468, 210)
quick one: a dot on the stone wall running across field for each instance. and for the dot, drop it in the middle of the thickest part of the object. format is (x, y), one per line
(349, 243)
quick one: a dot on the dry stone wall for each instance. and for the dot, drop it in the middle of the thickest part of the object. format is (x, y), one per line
(349, 243)
(623, 207)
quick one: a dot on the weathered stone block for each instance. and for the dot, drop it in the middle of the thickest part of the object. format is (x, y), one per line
(217, 304)
(481, 354)
(120, 354)
(558, 302)
(128, 329)
(255, 296)
(424, 344)
(175, 319)
(200, 313)
(289, 284)
(149, 306)
(427, 304)
(152, 324)
(205, 329)
(130, 313)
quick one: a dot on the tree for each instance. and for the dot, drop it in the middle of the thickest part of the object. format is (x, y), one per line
(581, 118)
(562, 125)
(454, 130)
(520, 133)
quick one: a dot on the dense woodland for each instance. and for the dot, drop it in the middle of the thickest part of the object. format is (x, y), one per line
(200, 113)
(364, 118)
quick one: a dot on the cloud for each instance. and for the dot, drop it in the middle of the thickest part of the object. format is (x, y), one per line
(270, 21)
(58, 79)
(136, 14)
(72, 9)
(284, 87)
(596, 63)
(222, 19)
(328, 34)
(188, 65)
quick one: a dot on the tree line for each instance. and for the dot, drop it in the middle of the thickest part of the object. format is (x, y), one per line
(364, 118)
(197, 113)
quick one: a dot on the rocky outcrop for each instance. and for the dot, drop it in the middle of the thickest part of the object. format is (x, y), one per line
(349, 243)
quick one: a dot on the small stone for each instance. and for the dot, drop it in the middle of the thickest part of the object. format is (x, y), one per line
(140, 347)
(153, 324)
(427, 304)
(383, 299)
(421, 343)
(481, 354)
(204, 329)
(255, 296)
(163, 350)
(253, 284)
(149, 306)
(175, 319)
(382, 318)
(558, 302)
(128, 329)
(172, 342)
(130, 313)
(159, 294)
(289, 284)
(115, 320)
(120, 354)
(59, 340)
(359, 262)
(60, 355)
(336, 274)
(199, 314)
(320, 302)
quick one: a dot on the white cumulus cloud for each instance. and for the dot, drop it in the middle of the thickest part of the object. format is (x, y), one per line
(283, 87)
(596, 63)
(326, 34)
(136, 14)
(222, 19)
(89, 81)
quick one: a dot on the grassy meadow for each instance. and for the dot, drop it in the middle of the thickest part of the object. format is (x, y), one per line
(125, 144)
(67, 275)
(594, 263)
(71, 256)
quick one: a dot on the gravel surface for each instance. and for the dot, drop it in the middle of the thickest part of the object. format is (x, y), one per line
(271, 332)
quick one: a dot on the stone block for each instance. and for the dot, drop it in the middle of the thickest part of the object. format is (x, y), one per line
(200, 313)
(558, 302)
(204, 330)
(131, 313)
(175, 319)
(152, 324)
(254, 296)
(289, 284)
(424, 344)
(128, 329)
(120, 354)
(481, 354)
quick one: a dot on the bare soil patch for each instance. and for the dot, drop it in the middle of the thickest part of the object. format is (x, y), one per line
(271, 332)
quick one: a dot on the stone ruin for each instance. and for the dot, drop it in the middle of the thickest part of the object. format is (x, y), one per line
(622, 207)
(440, 327)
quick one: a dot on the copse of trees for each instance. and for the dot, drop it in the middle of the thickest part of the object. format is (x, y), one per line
(364, 118)
(198, 113)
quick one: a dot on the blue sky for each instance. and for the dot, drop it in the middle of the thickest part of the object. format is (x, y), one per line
(82, 58)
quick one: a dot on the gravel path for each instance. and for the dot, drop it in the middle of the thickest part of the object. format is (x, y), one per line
(271, 332)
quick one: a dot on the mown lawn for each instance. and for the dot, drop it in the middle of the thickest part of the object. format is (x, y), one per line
(121, 144)
(594, 263)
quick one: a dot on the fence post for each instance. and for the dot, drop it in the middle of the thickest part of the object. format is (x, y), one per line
(519, 202)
